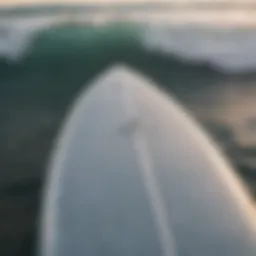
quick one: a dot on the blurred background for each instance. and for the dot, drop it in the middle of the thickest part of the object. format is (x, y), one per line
(201, 51)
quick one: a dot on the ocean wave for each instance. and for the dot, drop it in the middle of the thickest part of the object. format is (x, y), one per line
(230, 50)
(17, 36)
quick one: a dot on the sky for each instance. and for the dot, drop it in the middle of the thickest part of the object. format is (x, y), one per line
(7, 2)
(15, 2)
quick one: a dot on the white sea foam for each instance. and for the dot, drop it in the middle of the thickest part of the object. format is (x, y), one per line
(16, 36)
(228, 49)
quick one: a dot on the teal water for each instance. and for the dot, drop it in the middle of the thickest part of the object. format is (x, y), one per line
(36, 92)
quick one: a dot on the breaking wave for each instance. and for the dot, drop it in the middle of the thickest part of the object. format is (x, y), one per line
(230, 50)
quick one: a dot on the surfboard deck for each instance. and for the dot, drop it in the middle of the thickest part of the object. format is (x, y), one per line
(133, 174)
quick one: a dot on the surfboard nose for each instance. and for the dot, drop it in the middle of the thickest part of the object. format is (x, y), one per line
(133, 174)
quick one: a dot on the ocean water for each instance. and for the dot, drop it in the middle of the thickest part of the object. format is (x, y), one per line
(207, 62)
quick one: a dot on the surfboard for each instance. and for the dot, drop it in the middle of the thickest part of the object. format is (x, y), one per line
(132, 173)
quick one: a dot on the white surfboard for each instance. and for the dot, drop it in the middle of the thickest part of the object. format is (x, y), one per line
(132, 174)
